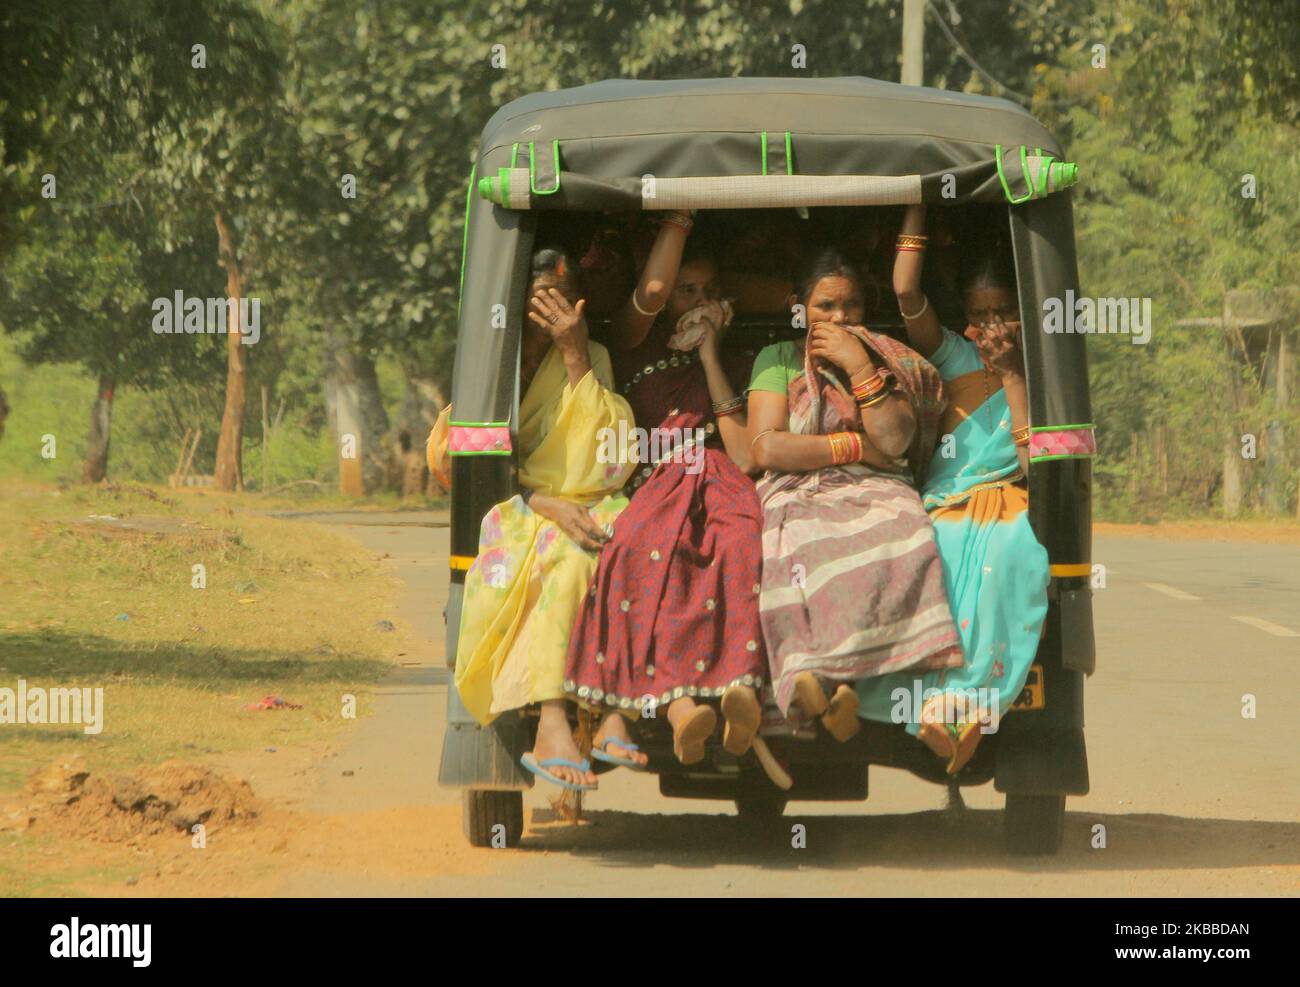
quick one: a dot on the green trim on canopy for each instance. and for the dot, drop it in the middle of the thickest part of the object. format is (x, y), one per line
(464, 237)
(532, 170)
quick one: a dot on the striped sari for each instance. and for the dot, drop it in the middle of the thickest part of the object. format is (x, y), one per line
(852, 586)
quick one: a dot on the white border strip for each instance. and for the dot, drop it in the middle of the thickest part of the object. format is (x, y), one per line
(757, 191)
(775, 191)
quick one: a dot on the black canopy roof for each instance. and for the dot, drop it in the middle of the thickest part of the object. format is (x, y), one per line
(848, 106)
(589, 147)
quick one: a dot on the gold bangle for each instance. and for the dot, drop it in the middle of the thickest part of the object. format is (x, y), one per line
(1020, 435)
(873, 400)
(759, 436)
(838, 450)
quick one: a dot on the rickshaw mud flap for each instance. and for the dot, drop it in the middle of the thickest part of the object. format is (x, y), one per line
(1077, 643)
(1044, 762)
(475, 756)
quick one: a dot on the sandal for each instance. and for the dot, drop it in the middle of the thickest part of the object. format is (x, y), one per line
(742, 716)
(599, 750)
(539, 769)
(689, 738)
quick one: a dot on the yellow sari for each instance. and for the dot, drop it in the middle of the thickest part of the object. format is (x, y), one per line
(523, 592)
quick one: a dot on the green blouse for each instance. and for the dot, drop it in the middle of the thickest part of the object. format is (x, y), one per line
(775, 367)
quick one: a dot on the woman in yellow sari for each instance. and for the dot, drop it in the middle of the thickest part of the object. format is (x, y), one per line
(538, 550)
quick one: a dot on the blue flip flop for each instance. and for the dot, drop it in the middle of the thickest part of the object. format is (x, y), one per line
(601, 754)
(539, 769)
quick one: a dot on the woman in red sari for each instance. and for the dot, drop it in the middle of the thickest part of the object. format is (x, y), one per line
(672, 615)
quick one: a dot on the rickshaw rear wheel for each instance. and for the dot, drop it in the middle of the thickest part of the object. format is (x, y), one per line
(492, 818)
(1034, 825)
(759, 807)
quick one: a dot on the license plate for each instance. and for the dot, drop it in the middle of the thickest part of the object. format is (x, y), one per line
(1031, 696)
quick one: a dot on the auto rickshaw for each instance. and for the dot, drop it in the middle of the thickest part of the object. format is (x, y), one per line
(554, 159)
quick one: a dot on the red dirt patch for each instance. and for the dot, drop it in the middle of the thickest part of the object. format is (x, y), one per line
(173, 796)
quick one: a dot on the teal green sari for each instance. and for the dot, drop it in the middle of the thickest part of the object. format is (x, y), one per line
(994, 569)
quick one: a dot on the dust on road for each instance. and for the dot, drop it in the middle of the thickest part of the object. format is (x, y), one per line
(1188, 796)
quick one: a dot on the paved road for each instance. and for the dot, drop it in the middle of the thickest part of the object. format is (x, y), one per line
(1195, 798)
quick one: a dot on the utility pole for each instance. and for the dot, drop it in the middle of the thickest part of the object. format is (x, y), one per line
(913, 43)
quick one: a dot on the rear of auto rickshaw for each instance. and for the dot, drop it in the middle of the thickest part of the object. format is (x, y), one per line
(554, 162)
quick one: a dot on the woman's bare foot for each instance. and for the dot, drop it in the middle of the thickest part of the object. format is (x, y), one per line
(614, 727)
(555, 739)
(967, 740)
(741, 710)
(692, 726)
(934, 732)
(809, 695)
(841, 716)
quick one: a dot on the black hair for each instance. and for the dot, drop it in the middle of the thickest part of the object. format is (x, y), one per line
(553, 261)
(699, 247)
(554, 264)
(825, 263)
(986, 263)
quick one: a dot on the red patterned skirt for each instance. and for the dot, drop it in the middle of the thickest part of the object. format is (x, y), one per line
(673, 610)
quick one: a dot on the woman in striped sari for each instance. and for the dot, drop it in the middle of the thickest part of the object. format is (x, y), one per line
(995, 570)
(842, 423)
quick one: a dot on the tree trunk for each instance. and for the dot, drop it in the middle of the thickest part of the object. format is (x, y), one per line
(421, 402)
(357, 413)
(1233, 470)
(1277, 465)
(229, 470)
(95, 467)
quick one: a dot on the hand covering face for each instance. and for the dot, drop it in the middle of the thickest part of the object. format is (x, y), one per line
(692, 326)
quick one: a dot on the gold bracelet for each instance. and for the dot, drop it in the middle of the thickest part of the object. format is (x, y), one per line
(838, 451)
(1020, 435)
(874, 400)
(759, 436)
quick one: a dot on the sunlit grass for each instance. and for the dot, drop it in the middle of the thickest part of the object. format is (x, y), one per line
(289, 609)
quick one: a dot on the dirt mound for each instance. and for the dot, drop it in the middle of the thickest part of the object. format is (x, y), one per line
(172, 796)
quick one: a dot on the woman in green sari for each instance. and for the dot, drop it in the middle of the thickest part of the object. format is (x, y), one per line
(995, 570)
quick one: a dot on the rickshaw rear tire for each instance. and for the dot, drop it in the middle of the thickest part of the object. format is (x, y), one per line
(482, 812)
(1034, 825)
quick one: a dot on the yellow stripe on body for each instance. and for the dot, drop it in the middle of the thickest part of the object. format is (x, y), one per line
(1060, 570)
